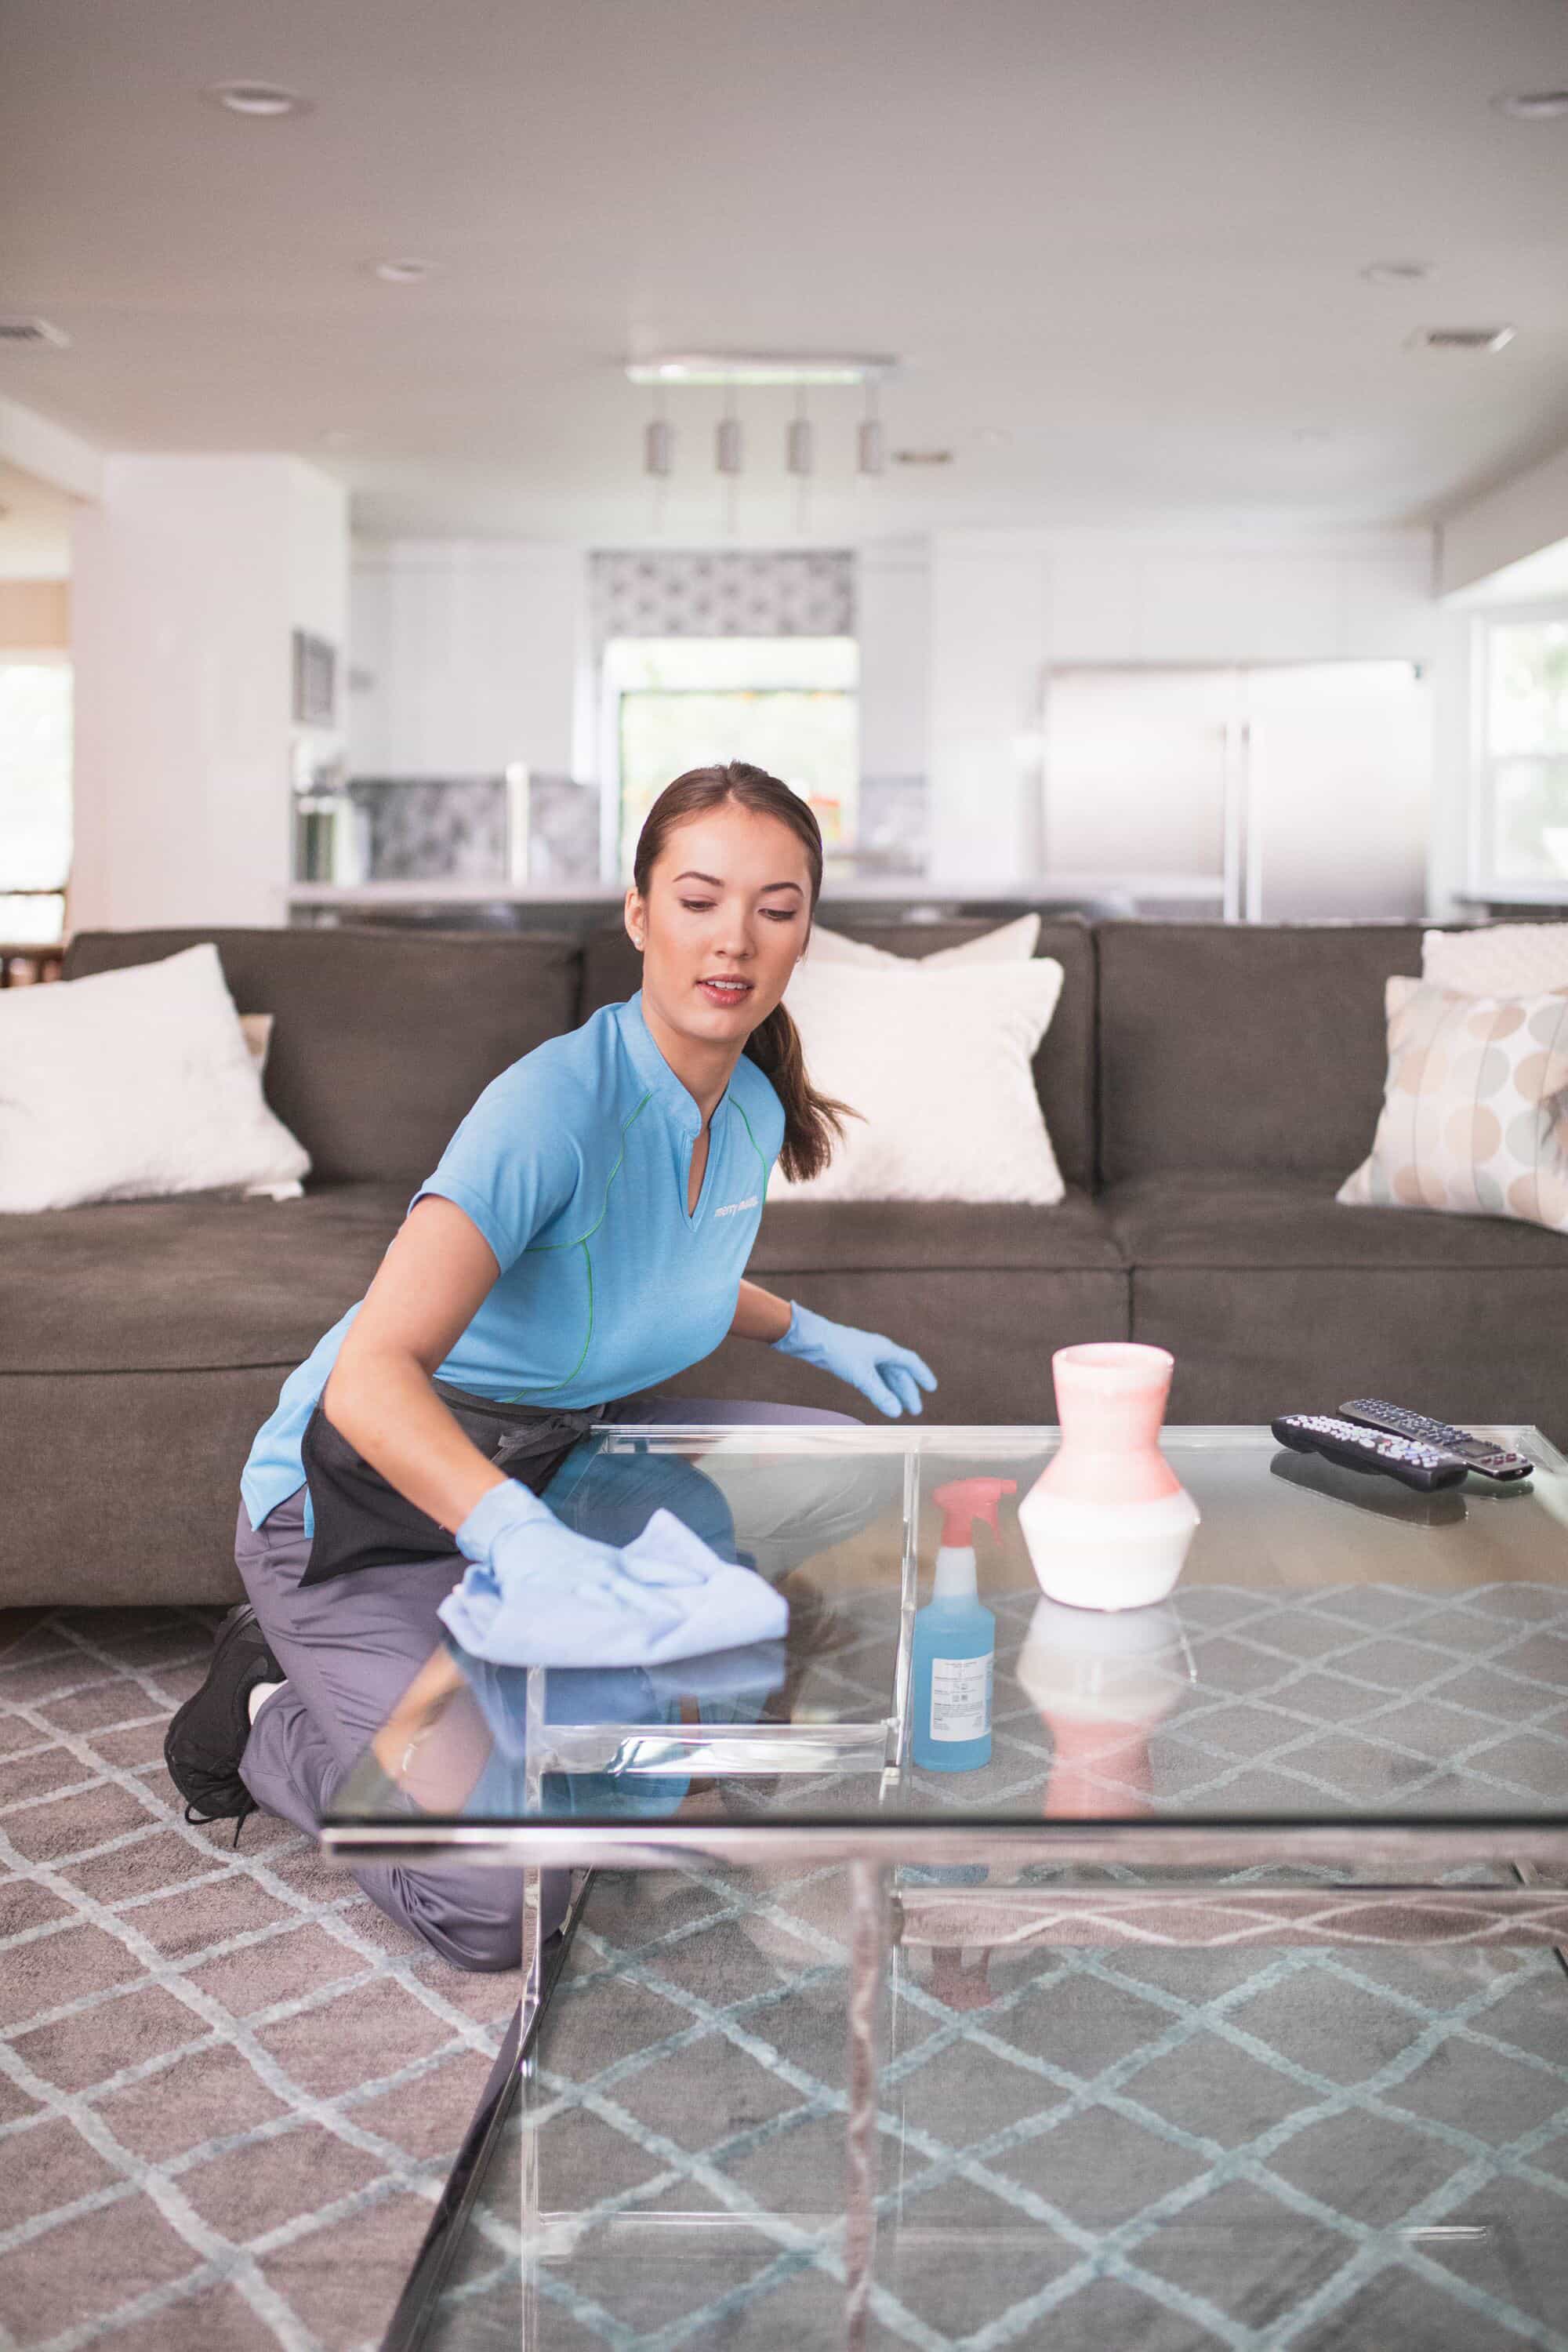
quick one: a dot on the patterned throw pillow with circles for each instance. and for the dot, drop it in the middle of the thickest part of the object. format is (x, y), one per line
(1475, 1110)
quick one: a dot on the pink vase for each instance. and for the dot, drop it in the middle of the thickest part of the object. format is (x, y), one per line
(1107, 1522)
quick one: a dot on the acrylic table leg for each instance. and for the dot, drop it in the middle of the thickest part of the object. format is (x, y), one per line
(533, 2000)
(867, 1952)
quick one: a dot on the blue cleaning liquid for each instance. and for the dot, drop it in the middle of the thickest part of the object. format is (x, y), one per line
(955, 1654)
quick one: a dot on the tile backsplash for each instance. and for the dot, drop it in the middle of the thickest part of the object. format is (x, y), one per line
(454, 828)
(434, 828)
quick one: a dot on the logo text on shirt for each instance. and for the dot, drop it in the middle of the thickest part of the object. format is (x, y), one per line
(731, 1207)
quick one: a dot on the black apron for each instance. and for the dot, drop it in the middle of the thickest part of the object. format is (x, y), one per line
(361, 1521)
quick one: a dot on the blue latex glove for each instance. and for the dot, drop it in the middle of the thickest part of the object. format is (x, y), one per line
(888, 1376)
(540, 1594)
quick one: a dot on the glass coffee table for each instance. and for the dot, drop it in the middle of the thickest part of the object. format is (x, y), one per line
(1348, 1728)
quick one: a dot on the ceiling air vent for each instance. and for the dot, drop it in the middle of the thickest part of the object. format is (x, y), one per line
(30, 331)
(1461, 339)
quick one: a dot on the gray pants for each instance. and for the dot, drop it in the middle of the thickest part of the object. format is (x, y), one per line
(351, 1647)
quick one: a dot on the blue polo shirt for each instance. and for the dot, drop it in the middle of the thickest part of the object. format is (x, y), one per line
(573, 1165)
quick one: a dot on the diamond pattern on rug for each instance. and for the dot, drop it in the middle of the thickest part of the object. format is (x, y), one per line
(1145, 2148)
(230, 2088)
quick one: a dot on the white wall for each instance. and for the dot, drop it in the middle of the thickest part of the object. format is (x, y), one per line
(190, 574)
(465, 656)
(1006, 604)
(1507, 525)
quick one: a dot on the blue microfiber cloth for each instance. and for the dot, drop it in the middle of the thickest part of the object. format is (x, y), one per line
(664, 1596)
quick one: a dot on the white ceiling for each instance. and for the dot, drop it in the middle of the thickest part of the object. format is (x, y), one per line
(1116, 243)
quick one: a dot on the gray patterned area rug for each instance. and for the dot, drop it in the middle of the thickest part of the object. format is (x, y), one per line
(1100, 2151)
(230, 2089)
(229, 2092)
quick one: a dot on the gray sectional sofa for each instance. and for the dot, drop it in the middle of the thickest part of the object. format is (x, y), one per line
(1206, 1088)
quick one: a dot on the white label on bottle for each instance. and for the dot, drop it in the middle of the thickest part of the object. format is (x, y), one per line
(960, 1698)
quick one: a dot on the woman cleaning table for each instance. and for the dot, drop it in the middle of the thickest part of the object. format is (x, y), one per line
(584, 1238)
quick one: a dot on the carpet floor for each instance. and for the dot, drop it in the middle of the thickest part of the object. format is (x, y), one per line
(230, 2090)
(1120, 2150)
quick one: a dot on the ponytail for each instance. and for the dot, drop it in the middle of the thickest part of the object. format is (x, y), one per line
(813, 1122)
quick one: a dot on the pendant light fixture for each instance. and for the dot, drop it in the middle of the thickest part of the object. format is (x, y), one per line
(797, 439)
(728, 457)
(799, 458)
(869, 451)
(730, 369)
(658, 449)
(659, 456)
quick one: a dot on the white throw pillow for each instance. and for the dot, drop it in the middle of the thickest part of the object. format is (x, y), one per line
(132, 1084)
(938, 1062)
(1009, 943)
(1499, 959)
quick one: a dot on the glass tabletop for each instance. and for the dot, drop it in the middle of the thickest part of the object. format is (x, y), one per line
(1337, 1650)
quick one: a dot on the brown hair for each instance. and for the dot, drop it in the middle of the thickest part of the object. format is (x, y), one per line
(813, 1122)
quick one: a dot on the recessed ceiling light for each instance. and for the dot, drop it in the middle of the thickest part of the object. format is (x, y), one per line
(1396, 273)
(1532, 105)
(991, 437)
(402, 272)
(923, 456)
(758, 367)
(262, 99)
(1461, 339)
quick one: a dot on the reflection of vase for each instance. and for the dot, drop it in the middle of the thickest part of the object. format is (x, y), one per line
(1101, 1686)
(1107, 1522)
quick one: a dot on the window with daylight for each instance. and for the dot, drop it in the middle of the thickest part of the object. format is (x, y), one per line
(1519, 809)
(786, 704)
(35, 798)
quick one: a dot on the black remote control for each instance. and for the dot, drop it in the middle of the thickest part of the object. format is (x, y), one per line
(1425, 1467)
(1482, 1455)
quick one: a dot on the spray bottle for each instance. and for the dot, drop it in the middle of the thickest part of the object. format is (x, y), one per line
(955, 1638)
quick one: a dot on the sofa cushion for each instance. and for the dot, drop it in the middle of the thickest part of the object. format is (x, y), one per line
(381, 1041)
(911, 1237)
(1475, 1347)
(198, 1284)
(986, 1333)
(1277, 1224)
(1063, 1067)
(1252, 1049)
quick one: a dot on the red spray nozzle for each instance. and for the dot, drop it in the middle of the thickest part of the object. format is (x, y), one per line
(963, 1500)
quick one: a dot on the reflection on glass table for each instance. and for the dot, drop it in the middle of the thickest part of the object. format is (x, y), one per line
(1348, 1725)
(1314, 1600)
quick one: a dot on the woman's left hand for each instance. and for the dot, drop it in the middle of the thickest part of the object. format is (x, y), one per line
(888, 1376)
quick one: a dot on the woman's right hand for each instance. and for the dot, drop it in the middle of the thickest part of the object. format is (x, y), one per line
(517, 1536)
(537, 1593)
